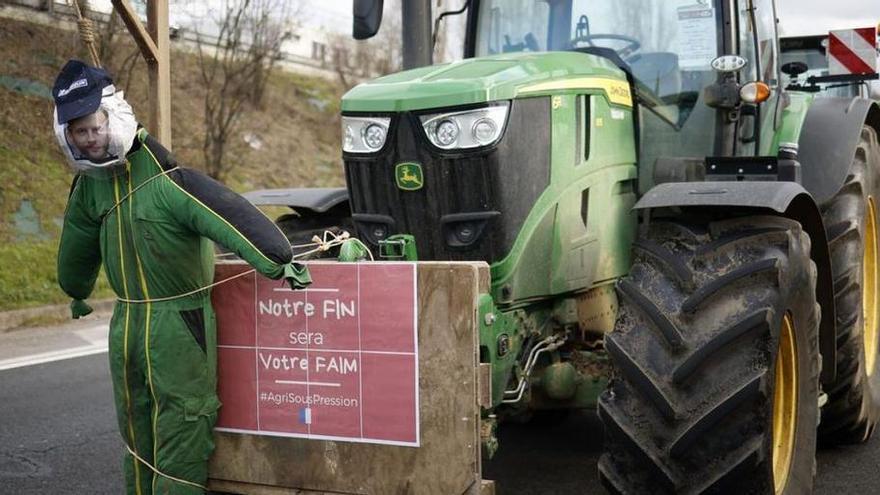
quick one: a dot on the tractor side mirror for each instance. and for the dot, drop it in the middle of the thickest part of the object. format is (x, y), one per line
(794, 69)
(367, 18)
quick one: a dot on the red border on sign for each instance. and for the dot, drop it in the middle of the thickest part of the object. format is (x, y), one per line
(336, 361)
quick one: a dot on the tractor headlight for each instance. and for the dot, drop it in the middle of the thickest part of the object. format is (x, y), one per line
(374, 136)
(466, 129)
(446, 132)
(364, 134)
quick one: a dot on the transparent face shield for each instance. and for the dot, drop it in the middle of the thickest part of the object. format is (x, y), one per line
(96, 144)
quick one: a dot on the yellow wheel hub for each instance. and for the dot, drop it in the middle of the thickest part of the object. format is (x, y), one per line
(869, 288)
(785, 404)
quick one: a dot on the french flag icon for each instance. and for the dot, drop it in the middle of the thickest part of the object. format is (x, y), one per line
(305, 415)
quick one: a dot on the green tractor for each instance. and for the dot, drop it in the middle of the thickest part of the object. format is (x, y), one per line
(674, 238)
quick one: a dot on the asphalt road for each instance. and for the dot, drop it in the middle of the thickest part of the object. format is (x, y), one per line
(58, 432)
(561, 459)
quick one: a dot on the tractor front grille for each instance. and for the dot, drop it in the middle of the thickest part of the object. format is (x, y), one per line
(471, 205)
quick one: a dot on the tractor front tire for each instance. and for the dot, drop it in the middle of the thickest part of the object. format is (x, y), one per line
(716, 361)
(850, 220)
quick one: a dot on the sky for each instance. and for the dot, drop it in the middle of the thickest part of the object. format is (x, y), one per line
(802, 17)
(797, 17)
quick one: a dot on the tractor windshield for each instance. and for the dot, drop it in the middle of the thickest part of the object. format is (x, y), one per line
(686, 28)
(668, 45)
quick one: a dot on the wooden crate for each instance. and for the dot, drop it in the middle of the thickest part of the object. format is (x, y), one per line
(447, 461)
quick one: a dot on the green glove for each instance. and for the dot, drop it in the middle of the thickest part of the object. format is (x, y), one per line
(352, 250)
(297, 275)
(79, 308)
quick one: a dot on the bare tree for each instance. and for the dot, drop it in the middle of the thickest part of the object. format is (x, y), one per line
(343, 63)
(112, 36)
(108, 42)
(388, 44)
(357, 60)
(236, 68)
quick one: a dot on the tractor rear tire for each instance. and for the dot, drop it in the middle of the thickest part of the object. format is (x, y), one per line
(716, 342)
(850, 219)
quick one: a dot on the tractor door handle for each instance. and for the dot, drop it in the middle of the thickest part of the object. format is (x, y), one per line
(749, 111)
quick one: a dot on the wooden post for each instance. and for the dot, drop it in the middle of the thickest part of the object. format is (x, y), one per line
(154, 46)
(160, 72)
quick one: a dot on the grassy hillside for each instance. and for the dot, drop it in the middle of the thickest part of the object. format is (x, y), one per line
(297, 124)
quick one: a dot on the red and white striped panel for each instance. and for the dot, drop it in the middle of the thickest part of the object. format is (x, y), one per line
(852, 51)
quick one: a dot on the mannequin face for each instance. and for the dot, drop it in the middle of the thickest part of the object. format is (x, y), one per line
(89, 135)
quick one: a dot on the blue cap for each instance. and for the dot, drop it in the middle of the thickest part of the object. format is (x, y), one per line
(77, 90)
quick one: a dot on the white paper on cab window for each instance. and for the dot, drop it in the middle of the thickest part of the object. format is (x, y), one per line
(697, 37)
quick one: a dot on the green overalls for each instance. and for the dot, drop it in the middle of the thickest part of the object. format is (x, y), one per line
(151, 233)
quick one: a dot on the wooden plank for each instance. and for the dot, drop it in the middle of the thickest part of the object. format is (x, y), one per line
(136, 29)
(154, 46)
(448, 460)
(484, 380)
(483, 487)
(159, 71)
(224, 486)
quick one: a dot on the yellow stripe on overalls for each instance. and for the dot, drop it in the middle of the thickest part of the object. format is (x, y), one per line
(131, 437)
(146, 291)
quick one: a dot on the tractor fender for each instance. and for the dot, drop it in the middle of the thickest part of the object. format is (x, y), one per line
(828, 142)
(788, 199)
(317, 199)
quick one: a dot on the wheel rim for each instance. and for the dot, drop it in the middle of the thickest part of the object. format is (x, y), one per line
(869, 288)
(785, 405)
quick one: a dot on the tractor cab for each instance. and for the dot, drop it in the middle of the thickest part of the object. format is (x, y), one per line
(686, 61)
(550, 92)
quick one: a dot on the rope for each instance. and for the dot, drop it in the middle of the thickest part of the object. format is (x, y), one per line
(326, 242)
(180, 296)
(224, 255)
(86, 33)
(322, 243)
(142, 184)
(160, 473)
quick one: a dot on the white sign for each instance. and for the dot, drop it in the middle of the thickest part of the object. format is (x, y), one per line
(697, 37)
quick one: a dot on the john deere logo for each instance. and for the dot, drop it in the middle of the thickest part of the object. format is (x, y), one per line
(409, 176)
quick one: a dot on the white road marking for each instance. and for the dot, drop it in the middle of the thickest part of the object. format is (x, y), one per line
(48, 357)
(96, 337)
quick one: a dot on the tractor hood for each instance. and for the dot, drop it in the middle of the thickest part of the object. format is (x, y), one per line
(476, 80)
